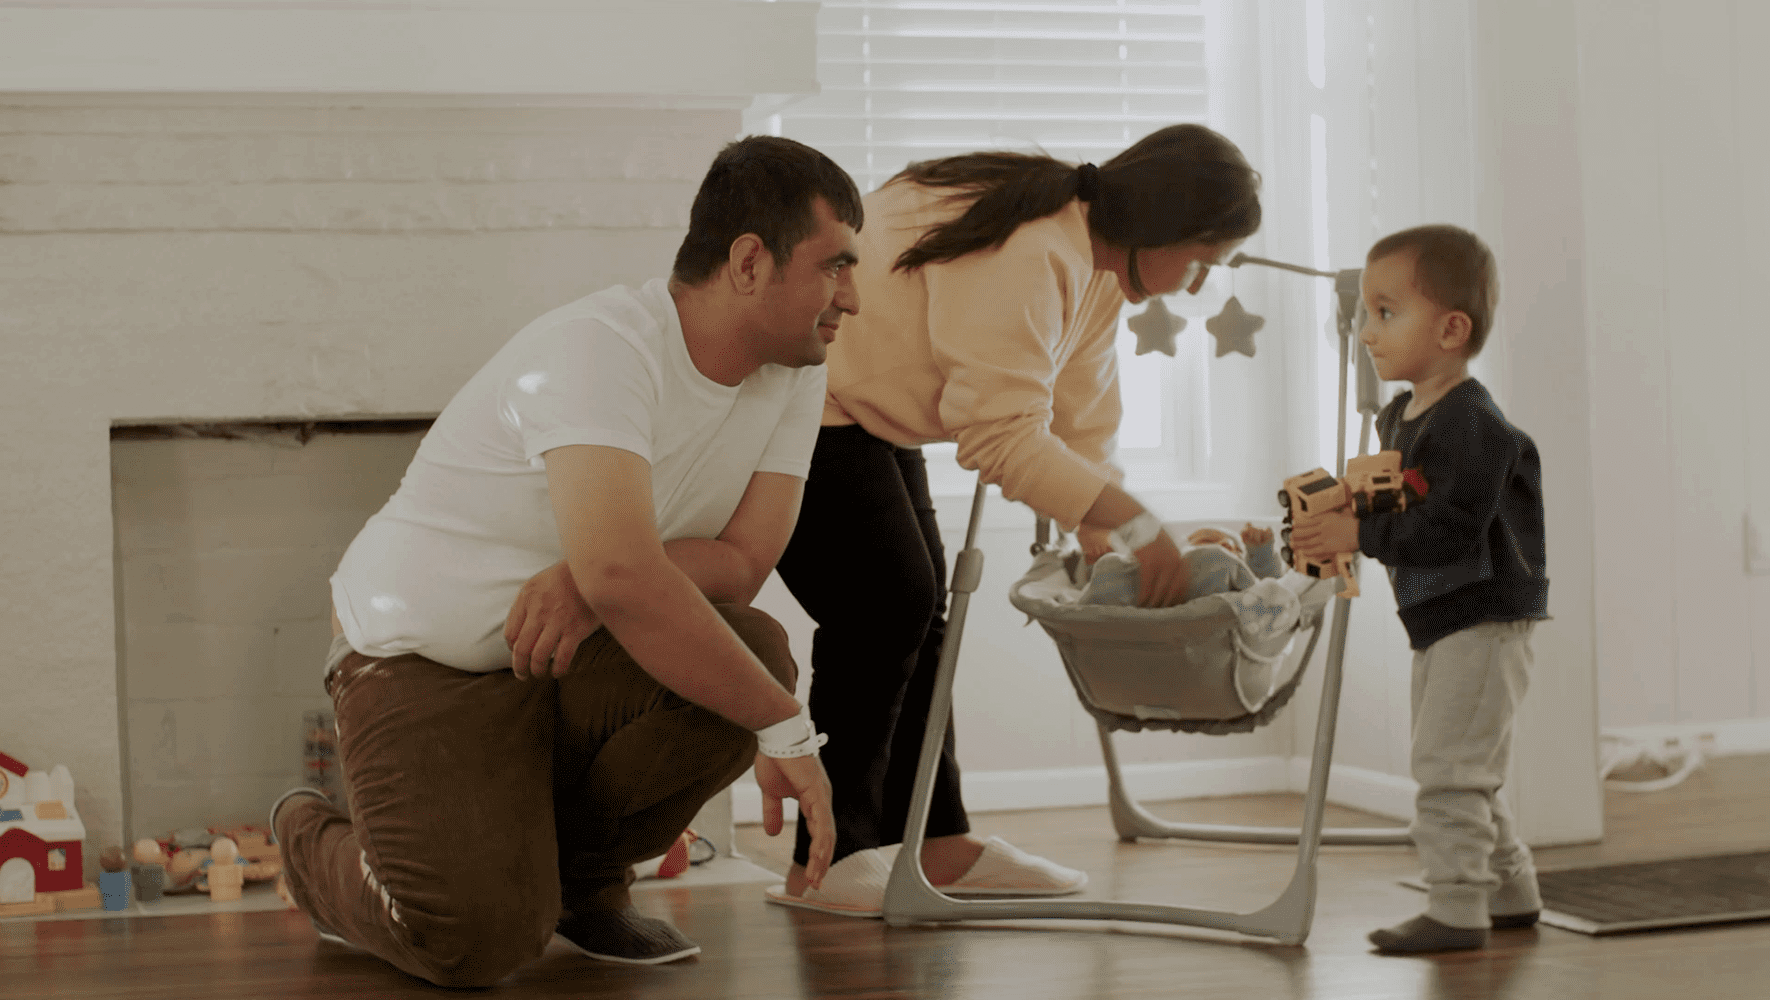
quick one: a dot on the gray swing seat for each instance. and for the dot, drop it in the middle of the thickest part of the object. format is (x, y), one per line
(1187, 668)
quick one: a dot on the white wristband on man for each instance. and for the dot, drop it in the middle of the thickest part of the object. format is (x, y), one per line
(793, 736)
(1135, 533)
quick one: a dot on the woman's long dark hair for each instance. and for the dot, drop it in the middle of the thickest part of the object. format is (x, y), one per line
(1180, 184)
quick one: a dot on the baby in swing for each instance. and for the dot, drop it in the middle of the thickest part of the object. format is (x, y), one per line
(1267, 600)
(1468, 567)
(1216, 562)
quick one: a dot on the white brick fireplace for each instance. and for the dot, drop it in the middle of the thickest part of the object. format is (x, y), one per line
(303, 212)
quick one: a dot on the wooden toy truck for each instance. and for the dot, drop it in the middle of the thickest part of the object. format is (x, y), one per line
(1373, 485)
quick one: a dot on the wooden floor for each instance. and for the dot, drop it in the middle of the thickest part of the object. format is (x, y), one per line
(755, 950)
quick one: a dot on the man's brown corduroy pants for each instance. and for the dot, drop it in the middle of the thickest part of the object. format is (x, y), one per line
(483, 805)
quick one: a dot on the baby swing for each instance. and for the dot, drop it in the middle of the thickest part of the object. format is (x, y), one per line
(1184, 668)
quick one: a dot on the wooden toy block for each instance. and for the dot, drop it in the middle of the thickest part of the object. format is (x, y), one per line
(51, 810)
(258, 871)
(253, 847)
(226, 880)
(86, 897)
(37, 907)
(149, 881)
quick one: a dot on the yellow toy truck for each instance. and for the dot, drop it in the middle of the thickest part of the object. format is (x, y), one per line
(1374, 484)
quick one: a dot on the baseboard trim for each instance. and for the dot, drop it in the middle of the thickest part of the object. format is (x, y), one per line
(1361, 788)
(1053, 788)
(1732, 736)
(1056, 788)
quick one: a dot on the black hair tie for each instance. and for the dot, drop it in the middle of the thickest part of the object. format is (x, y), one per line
(1087, 181)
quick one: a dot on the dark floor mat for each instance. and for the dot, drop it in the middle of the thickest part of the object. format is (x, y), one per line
(1653, 895)
(1657, 894)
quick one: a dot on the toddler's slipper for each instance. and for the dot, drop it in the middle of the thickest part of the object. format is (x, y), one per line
(1006, 870)
(853, 887)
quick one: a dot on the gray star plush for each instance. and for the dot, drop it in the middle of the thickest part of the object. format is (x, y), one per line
(1156, 327)
(1234, 328)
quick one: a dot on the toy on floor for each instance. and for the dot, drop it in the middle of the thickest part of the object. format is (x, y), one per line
(225, 875)
(195, 853)
(149, 871)
(40, 842)
(1374, 484)
(113, 883)
(688, 849)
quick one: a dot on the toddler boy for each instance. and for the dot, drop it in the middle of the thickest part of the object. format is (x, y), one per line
(1467, 565)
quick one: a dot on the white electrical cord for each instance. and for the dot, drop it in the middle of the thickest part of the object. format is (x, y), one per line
(1671, 756)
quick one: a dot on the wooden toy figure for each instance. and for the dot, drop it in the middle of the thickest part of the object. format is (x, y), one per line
(149, 871)
(226, 874)
(113, 882)
(1374, 484)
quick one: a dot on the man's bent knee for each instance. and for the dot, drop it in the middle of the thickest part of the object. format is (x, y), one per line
(766, 638)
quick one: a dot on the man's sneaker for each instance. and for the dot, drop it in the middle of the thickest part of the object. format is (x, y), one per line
(626, 936)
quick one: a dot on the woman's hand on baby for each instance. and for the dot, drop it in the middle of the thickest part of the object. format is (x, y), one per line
(1254, 537)
(547, 622)
(1162, 576)
(1095, 542)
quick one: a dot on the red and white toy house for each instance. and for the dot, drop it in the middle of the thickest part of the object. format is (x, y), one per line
(38, 824)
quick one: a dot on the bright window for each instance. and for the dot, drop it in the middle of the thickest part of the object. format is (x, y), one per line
(908, 80)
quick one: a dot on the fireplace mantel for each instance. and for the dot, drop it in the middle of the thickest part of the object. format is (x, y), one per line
(669, 51)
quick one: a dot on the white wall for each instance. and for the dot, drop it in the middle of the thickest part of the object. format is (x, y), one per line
(1674, 139)
(165, 261)
(223, 552)
(1531, 201)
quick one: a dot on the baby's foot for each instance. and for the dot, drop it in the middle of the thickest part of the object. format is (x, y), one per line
(1422, 934)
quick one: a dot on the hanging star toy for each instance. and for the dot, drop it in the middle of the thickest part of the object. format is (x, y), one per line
(1234, 328)
(1156, 327)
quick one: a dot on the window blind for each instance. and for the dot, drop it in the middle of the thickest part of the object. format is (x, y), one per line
(907, 80)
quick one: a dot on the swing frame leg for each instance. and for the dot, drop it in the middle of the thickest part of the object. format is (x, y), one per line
(1130, 820)
(911, 898)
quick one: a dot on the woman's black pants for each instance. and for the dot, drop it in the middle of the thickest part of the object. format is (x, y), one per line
(866, 563)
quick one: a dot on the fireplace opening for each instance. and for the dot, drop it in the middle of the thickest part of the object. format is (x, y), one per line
(225, 536)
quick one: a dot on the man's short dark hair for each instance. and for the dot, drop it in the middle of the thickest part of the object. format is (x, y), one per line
(761, 184)
(1455, 270)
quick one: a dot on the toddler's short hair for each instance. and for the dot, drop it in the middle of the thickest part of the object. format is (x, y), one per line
(1454, 269)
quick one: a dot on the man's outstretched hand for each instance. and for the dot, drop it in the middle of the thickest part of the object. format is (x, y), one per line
(800, 778)
(547, 622)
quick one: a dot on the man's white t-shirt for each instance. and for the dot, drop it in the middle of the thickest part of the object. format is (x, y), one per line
(436, 570)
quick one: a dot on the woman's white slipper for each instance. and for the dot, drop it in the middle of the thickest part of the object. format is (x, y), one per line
(1006, 870)
(853, 887)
